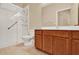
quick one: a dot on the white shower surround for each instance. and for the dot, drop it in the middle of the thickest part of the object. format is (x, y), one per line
(11, 7)
(9, 37)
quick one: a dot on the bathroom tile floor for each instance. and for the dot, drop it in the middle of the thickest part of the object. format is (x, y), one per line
(20, 50)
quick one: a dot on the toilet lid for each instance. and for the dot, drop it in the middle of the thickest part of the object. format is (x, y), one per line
(28, 36)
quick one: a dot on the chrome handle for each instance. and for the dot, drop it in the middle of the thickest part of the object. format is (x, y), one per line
(12, 25)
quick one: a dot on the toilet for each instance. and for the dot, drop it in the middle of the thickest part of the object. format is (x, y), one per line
(29, 39)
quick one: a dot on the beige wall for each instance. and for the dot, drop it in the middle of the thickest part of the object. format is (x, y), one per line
(35, 16)
(74, 15)
(49, 13)
(46, 16)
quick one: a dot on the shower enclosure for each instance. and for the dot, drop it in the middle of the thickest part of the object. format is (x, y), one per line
(13, 24)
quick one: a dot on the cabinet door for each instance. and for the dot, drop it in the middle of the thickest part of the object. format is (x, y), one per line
(38, 41)
(75, 46)
(47, 43)
(61, 46)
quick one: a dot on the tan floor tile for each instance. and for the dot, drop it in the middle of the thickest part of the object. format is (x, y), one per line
(20, 50)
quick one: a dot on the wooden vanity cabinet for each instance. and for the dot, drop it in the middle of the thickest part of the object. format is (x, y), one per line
(75, 47)
(61, 46)
(75, 42)
(47, 43)
(62, 43)
(57, 42)
(38, 39)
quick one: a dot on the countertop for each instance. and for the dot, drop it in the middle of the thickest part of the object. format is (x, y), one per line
(60, 28)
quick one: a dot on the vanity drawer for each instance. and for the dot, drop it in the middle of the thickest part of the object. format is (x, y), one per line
(75, 34)
(60, 33)
(48, 32)
(38, 32)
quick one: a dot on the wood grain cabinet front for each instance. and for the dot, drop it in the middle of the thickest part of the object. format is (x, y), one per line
(38, 42)
(75, 42)
(75, 34)
(47, 43)
(75, 47)
(58, 42)
(38, 39)
(61, 46)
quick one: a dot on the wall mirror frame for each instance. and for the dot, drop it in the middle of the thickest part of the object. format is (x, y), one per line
(64, 15)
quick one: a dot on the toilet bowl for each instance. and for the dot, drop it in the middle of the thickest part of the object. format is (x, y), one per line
(28, 40)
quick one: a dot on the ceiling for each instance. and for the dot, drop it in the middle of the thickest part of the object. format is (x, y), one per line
(25, 4)
(21, 4)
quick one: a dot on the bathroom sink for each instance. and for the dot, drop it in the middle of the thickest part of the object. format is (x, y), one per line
(53, 27)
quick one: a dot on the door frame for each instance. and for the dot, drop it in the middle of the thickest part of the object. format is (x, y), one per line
(28, 17)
